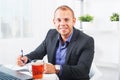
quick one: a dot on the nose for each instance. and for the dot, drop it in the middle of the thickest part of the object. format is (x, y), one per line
(62, 23)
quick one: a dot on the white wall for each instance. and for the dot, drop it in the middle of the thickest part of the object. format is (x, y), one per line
(105, 33)
(11, 48)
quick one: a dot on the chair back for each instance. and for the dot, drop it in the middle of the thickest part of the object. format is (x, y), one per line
(94, 74)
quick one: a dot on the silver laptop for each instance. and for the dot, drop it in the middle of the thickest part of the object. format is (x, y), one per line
(9, 74)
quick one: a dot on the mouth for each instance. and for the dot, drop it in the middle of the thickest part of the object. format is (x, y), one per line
(63, 29)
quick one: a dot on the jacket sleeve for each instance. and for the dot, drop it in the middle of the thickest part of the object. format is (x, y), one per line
(38, 53)
(42, 49)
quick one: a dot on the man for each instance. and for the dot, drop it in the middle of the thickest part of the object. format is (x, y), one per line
(68, 48)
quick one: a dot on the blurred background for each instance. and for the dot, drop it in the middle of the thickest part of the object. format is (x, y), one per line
(24, 24)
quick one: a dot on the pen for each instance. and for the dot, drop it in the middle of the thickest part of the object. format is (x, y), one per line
(22, 55)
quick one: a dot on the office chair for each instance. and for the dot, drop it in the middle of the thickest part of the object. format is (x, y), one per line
(94, 74)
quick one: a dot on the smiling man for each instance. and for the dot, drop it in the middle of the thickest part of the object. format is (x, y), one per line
(70, 52)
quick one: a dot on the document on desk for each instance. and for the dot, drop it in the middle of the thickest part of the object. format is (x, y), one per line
(27, 70)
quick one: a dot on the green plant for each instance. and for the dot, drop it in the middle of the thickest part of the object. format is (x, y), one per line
(114, 17)
(86, 18)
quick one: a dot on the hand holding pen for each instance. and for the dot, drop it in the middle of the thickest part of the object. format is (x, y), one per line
(22, 60)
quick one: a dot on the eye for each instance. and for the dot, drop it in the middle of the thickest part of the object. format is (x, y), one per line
(58, 20)
(66, 19)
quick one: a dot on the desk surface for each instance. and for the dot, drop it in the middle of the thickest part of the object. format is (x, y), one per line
(26, 70)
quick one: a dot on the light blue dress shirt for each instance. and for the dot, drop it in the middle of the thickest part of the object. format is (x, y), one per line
(61, 51)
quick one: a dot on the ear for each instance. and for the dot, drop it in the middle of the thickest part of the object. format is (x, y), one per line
(74, 20)
(53, 21)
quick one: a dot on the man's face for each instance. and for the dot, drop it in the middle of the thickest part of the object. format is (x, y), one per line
(64, 22)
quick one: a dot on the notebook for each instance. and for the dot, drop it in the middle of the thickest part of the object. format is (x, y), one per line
(9, 74)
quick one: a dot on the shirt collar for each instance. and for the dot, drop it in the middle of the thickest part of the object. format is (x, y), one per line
(68, 39)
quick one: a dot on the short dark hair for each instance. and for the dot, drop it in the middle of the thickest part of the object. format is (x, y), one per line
(64, 7)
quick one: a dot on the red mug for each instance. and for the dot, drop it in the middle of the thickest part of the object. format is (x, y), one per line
(37, 69)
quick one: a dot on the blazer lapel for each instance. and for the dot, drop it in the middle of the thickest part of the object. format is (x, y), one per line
(69, 50)
(71, 45)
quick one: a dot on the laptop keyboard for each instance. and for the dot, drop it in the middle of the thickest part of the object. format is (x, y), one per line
(4, 76)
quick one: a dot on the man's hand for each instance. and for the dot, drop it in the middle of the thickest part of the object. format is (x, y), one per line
(21, 61)
(49, 68)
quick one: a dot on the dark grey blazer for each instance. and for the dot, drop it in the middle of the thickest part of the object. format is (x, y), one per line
(79, 56)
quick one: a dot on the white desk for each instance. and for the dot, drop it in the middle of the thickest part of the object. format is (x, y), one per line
(45, 76)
